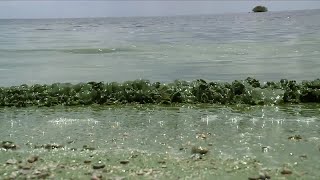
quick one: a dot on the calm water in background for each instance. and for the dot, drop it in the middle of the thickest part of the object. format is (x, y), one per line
(268, 46)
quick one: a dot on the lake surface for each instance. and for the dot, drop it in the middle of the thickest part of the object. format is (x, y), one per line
(153, 141)
(267, 46)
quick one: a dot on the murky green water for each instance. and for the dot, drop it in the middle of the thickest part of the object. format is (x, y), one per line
(242, 140)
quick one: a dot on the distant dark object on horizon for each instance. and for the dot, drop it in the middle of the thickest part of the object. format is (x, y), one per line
(260, 9)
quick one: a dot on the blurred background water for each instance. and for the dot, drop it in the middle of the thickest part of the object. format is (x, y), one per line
(268, 46)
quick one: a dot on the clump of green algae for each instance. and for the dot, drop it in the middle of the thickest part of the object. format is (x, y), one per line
(249, 91)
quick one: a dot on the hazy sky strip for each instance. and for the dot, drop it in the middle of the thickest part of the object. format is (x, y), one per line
(109, 8)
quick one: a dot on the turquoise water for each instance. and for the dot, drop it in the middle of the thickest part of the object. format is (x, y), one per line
(157, 140)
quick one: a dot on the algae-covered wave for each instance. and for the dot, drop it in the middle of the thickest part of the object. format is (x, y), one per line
(249, 91)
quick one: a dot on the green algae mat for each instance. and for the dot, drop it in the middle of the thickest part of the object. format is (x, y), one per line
(142, 130)
(249, 91)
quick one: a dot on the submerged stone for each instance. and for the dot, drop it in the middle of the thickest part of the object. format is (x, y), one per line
(286, 171)
(33, 159)
(199, 150)
(8, 145)
(295, 137)
(11, 161)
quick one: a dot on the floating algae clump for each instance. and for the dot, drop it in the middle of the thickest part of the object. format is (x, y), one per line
(249, 91)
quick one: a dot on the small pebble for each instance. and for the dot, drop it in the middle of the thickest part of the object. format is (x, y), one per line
(303, 156)
(61, 166)
(199, 150)
(134, 156)
(253, 178)
(70, 142)
(87, 161)
(196, 156)
(124, 161)
(295, 137)
(25, 166)
(140, 173)
(264, 176)
(161, 162)
(117, 178)
(14, 174)
(52, 146)
(286, 171)
(201, 136)
(33, 159)
(265, 149)
(98, 166)
(8, 145)
(43, 175)
(96, 176)
(86, 147)
(11, 161)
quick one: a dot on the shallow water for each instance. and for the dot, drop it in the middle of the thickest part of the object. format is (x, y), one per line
(267, 46)
(235, 136)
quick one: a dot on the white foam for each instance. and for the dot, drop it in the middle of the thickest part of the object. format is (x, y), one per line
(62, 120)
